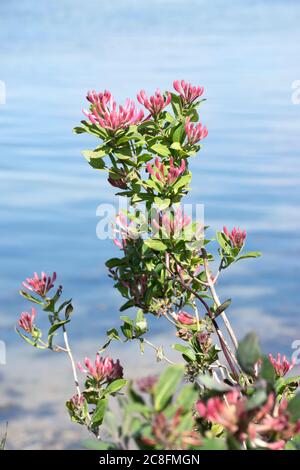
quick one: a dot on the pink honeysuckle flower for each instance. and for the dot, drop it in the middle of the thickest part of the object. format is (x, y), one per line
(105, 113)
(187, 92)
(236, 236)
(26, 321)
(174, 224)
(156, 103)
(40, 285)
(186, 318)
(221, 412)
(164, 175)
(282, 366)
(194, 132)
(260, 426)
(103, 369)
(77, 400)
(125, 229)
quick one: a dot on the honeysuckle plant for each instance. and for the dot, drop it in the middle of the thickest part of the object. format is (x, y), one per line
(220, 393)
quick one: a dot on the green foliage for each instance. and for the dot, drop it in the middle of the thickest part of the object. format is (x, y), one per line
(166, 385)
(249, 353)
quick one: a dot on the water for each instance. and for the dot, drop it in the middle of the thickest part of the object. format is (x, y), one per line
(246, 54)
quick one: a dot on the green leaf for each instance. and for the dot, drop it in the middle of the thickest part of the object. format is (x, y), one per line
(30, 297)
(162, 204)
(111, 334)
(294, 408)
(123, 153)
(214, 444)
(223, 241)
(115, 386)
(178, 135)
(155, 245)
(127, 328)
(98, 415)
(186, 397)
(79, 130)
(257, 400)
(95, 158)
(267, 371)
(183, 181)
(248, 352)
(185, 350)
(222, 307)
(56, 326)
(33, 343)
(250, 254)
(283, 382)
(166, 386)
(176, 104)
(161, 150)
(93, 444)
(113, 262)
(140, 322)
(176, 146)
(128, 304)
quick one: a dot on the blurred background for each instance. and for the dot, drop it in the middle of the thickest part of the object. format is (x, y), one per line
(246, 54)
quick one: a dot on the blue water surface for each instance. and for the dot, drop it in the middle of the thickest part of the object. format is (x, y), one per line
(245, 53)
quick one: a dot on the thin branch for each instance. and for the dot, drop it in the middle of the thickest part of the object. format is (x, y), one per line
(69, 352)
(225, 348)
(217, 300)
(158, 351)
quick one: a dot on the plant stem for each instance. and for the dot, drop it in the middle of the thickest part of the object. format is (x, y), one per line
(217, 300)
(225, 348)
(158, 351)
(69, 352)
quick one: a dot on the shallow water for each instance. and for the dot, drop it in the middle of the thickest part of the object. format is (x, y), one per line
(246, 54)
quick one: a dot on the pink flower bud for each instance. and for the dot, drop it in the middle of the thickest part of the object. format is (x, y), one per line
(194, 132)
(103, 369)
(156, 103)
(282, 366)
(164, 174)
(104, 113)
(26, 321)
(187, 92)
(236, 236)
(186, 318)
(40, 285)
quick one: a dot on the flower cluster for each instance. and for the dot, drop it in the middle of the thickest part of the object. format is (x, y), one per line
(281, 365)
(103, 369)
(166, 434)
(125, 229)
(156, 103)
(26, 321)
(187, 92)
(269, 426)
(173, 223)
(236, 236)
(40, 285)
(194, 132)
(186, 318)
(105, 113)
(164, 175)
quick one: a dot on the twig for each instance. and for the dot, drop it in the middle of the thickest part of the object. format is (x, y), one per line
(217, 300)
(158, 351)
(225, 348)
(69, 352)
